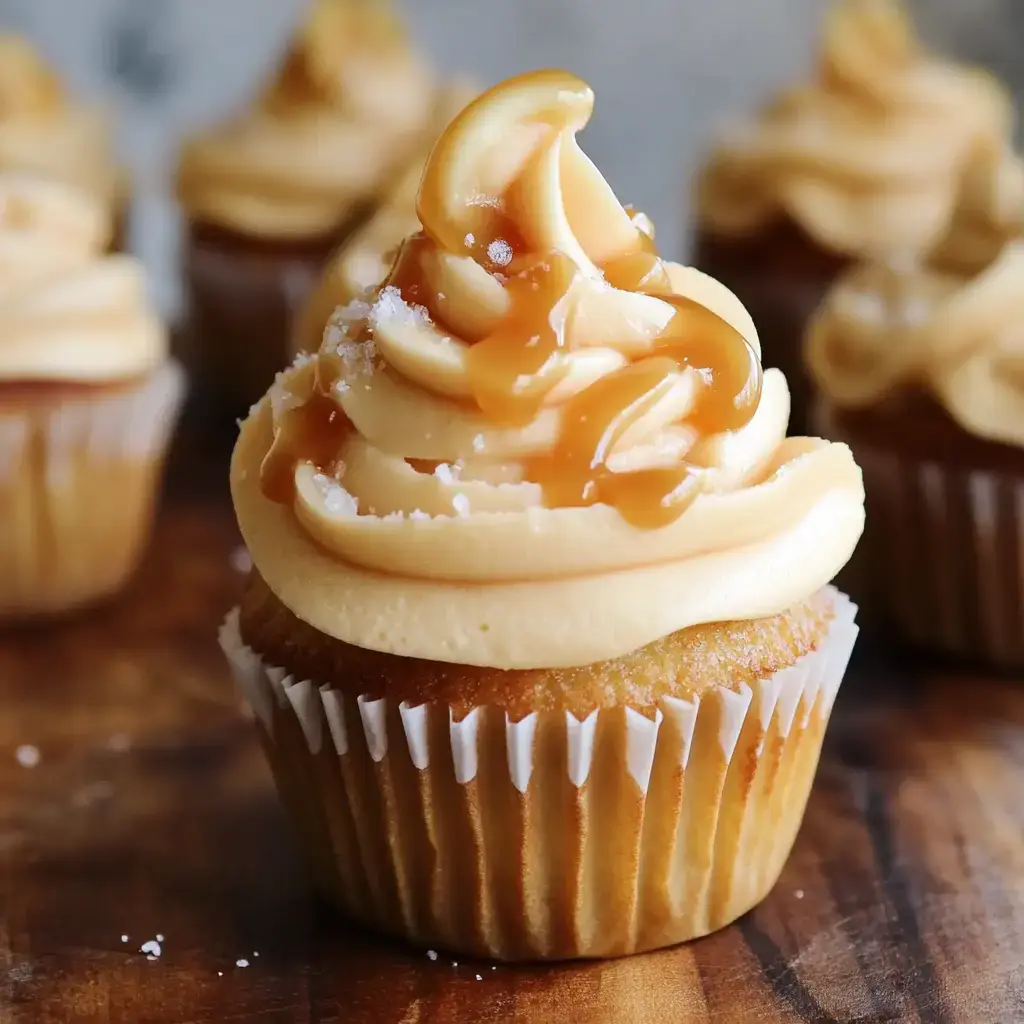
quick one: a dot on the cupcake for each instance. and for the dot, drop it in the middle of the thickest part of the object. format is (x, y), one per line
(273, 192)
(866, 162)
(364, 260)
(539, 636)
(44, 132)
(921, 372)
(87, 400)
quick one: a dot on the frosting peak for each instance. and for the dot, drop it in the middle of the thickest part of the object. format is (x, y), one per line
(43, 132)
(538, 443)
(955, 335)
(869, 158)
(67, 311)
(350, 101)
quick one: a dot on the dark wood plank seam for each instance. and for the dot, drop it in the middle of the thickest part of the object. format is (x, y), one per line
(922, 982)
(784, 980)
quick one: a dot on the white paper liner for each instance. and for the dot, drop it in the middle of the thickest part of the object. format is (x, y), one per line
(77, 535)
(438, 817)
(942, 560)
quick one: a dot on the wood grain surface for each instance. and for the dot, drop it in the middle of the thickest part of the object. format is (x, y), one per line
(150, 816)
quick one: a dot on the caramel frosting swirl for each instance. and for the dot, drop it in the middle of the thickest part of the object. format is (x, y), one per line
(882, 329)
(68, 311)
(348, 104)
(868, 159)
(537, 444)
(42, 132)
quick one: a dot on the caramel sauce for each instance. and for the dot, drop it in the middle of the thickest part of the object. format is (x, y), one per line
(310, 434)
(512, 371)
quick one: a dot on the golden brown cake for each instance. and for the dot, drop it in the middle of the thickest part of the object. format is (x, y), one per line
(539, 637)
(867, 161)
(921, 372)
(271, 193)
(87, 401)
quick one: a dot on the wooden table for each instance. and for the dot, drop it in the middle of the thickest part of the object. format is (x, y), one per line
(150, 817)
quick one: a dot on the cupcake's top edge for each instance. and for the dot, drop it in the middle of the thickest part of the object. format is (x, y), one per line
(44, 131)
(944, 330)
(536, 444)
(685, 666)
(348, 103)
(69, 310)
(868, 158)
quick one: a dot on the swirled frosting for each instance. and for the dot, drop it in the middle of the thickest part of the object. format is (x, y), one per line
(869, 158)
(68, 311)
(957, 337)
(538, 444)
(349, 102)
(363, 261)
(42, 132)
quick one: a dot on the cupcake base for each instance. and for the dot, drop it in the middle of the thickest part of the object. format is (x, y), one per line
(781, 277)
(242, 299)
(941, 565)
(548, 836)
(79, 469)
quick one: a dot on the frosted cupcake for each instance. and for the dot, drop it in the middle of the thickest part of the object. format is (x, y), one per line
(539, 636)
(364, 260)
(46, 133)
(272, 193)
(921, 371)
(866, 162)
(87, 401)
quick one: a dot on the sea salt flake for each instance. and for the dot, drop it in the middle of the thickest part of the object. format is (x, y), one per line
(479, 977)
(479, 444)
(337, 500)
(461, 504)
(28, 756)
(241, 560)
(499, 252)
(124, 938)
(470, 238)
(418, 513)
(431, 954)
(447, 473)
(242, 962)
(799, 894)
(151, 948)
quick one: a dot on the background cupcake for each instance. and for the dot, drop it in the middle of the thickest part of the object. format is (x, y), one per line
(866, 162)
(87, 399)
(363, 261)
(921, 371)
(539, 637)
(270, 194)
(45, 132)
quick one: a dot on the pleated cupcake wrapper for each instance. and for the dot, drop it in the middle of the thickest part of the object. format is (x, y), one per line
(77, 479)
(942, 561)
(551, 836)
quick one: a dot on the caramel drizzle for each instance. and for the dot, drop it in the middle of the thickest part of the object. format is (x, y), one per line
(513, 370)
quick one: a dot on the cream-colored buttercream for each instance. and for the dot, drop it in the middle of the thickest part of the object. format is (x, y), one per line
(459, 559)
(364, 260)
(68, 311)
(868, 159)
(348, 104)
(960, 337)
(43, 132)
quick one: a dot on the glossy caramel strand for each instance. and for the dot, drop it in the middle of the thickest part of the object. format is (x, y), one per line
(512, 371)
(309, 434)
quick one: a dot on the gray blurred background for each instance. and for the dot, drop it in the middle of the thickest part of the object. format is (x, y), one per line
(664, 71)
